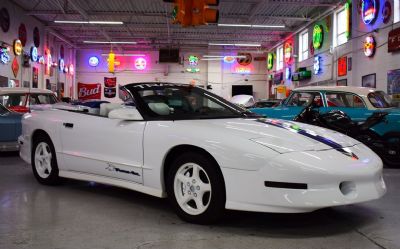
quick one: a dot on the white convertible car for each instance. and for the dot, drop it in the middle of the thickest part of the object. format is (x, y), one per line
(202, 152)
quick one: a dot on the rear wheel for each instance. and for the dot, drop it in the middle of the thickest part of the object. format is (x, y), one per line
(44, 162)
(391, 152)
(196, 188)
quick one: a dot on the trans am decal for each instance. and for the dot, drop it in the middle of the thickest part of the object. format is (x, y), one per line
(295, 128)
(111, 167)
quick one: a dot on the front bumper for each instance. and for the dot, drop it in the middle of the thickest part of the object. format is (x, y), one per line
(9, 146)
(331, 180)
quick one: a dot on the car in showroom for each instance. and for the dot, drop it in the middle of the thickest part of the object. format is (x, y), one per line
(202, 152)
(359, 103)
(10, 129)
(21, 100)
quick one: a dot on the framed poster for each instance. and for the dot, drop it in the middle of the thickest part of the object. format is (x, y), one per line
(3, 81)
(393, 84)
(342, 82)
(342, 66)
(369, 80)
(35, 77)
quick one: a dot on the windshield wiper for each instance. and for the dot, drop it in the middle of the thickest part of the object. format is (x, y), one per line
(248, 114)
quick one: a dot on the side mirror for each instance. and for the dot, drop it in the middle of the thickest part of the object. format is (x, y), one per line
(127, 114)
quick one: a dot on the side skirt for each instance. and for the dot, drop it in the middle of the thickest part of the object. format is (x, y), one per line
(112, 181)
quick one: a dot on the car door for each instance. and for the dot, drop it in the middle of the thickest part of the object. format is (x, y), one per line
(350, 103)
(102, 146)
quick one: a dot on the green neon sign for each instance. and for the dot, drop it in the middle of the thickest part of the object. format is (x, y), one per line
(270, 61)
(318, 36)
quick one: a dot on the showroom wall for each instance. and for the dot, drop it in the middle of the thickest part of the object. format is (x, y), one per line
(357, 63)
(25, 74)
(215, 73)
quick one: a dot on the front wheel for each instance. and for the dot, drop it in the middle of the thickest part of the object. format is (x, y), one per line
(44, 162)
(196, 188)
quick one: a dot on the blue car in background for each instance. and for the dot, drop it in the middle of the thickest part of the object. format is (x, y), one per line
(358, 103)
(10, 129)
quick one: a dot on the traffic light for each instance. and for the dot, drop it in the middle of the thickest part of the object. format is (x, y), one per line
(194, 12)
(202, 14)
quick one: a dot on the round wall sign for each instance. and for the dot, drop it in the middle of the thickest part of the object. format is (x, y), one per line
(62, 51)
(270, 61)
(22, 35)
(4, 20)
(244, 61)
(369, 46)
(369, 10)
(193, 60)
(93, 61)
(140, 63)
(287, 52)
(34, 54)
(17, 46)
(229, 59)
(318, 36)
(386, 12)
(36, 37)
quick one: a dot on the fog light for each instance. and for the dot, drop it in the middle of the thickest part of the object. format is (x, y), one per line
(348, 189)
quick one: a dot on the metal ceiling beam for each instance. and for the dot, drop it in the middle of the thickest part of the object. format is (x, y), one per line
(160, 14)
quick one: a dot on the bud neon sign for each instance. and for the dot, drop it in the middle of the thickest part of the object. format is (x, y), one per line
(318, 36)
(270, 61)
(288, 52)
(369, 9)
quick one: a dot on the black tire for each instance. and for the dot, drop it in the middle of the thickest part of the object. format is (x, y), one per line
(53, 177)
(391, 153)
(217, 196)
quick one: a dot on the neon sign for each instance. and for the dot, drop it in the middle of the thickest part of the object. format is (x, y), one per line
(288, 52)
(317, 65)
(242, 70)
(17, 47)
(34, 54)
(193, 60)
(71, 69)
(48, 62)
(4, 55)
(270, 61)
(229, 59)
(288, 73)
(369, 9)
(140, 63)
(93, 61)
(369, 46)
(41, 60)
(318, 36)
(61, 65)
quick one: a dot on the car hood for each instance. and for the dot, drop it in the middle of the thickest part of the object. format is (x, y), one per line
(283, 136)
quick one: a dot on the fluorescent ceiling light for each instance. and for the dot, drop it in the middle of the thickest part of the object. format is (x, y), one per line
(88, 22)
(250, 25)
(235, 44)
(125, 55)
(110, 42)
(213, 56)
(223, 56)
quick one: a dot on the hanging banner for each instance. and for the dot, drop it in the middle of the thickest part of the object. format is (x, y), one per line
(110, 82)
(89, 91)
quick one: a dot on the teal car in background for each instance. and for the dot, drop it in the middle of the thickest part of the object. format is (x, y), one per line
(357, 102)
(10, 129)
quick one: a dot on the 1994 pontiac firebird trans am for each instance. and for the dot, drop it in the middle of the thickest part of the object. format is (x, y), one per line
(201, 151)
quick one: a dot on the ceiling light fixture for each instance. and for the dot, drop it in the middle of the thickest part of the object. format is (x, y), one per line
(223, 56)
(89, 22)
(250, 25)
(235, 44)
(110, 42)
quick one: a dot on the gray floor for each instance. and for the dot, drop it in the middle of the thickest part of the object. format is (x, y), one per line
(86, 215)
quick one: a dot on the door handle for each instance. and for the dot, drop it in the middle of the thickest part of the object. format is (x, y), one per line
(68, 125)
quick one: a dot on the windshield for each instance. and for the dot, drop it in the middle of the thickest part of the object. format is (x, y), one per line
(169, 101)
(19, 99)
(380, 99)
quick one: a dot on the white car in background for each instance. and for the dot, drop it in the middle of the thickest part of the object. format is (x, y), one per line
(243, 100)
(202, 152)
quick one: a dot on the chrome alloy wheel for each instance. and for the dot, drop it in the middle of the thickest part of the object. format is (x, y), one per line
(43, 158)
(192, 188)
